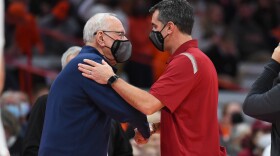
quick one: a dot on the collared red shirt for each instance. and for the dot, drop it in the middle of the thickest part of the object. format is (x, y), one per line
(189, 90)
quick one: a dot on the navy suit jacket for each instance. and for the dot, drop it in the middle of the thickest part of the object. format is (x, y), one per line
(79, 111)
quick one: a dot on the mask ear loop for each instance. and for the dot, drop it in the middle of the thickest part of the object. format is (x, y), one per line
(162, 29)
(107, 47)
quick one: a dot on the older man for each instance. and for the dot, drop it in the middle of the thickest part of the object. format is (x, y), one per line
(118, 142)
(79, 111)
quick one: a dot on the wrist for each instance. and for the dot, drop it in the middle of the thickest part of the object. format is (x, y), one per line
(112, 79)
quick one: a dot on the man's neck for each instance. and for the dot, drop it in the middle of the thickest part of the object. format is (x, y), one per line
(178, 41)
(96, 47)
(111, 62)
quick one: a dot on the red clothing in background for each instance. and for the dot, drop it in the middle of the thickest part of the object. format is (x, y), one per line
(27, 34)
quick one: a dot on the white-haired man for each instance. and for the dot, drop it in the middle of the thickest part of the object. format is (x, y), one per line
(79, 111)
(119, 143)
(69, 55)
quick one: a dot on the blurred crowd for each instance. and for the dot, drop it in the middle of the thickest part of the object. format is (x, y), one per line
(230, 32)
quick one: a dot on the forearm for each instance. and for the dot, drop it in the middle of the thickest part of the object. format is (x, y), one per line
(138, 98)
(262, 101)
(265, 81)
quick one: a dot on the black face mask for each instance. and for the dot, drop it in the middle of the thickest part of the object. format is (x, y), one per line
(121, 49)
(237, 118)
(157, 39)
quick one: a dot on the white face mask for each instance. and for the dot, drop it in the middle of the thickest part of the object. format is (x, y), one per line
(264, 140)
(20, 110)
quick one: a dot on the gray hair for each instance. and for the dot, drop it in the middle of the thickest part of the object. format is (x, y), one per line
(180, 12)
(70, 51)
(95, 23)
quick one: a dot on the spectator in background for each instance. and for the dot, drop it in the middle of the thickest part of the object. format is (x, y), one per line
(231, 131)
(229, 8)
(57, 26)
(88, 8)
(212, 26)
(139, 67)
(69, 55)
(255, 143)
(17, 104)
(226, 123)
(26, 30)
(249, 37)
(240, 132)
(42, 7)
(267, 16)
(224, 56)
(12, 129)
(262, 102)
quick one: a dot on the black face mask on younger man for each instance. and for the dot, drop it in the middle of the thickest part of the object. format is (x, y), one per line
(157, 39)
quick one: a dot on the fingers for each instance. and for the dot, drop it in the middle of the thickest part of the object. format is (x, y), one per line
(139, 139)
(92, 63)
(104, 62)
(140, 142)
(85, 70)
(84, 66)
(86, 75)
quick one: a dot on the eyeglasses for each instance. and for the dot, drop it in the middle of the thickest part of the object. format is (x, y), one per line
(119, 33)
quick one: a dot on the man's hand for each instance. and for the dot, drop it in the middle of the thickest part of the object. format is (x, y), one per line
(139, 139)
(95, 71)
(156, 128)
(276, 54)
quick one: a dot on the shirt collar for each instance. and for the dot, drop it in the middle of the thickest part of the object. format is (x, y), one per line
(90, 49)
(183, 48)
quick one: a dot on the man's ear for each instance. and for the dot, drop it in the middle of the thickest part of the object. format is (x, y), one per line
(100, 39)
(170, 27)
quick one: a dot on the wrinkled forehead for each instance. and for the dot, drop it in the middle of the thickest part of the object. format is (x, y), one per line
(114, 24)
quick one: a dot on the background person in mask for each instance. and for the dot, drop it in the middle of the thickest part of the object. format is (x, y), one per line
(186, 93)
(12, 132)
(263, 101)
(79, 111)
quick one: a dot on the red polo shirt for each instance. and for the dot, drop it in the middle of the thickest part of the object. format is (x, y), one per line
(189, 90)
